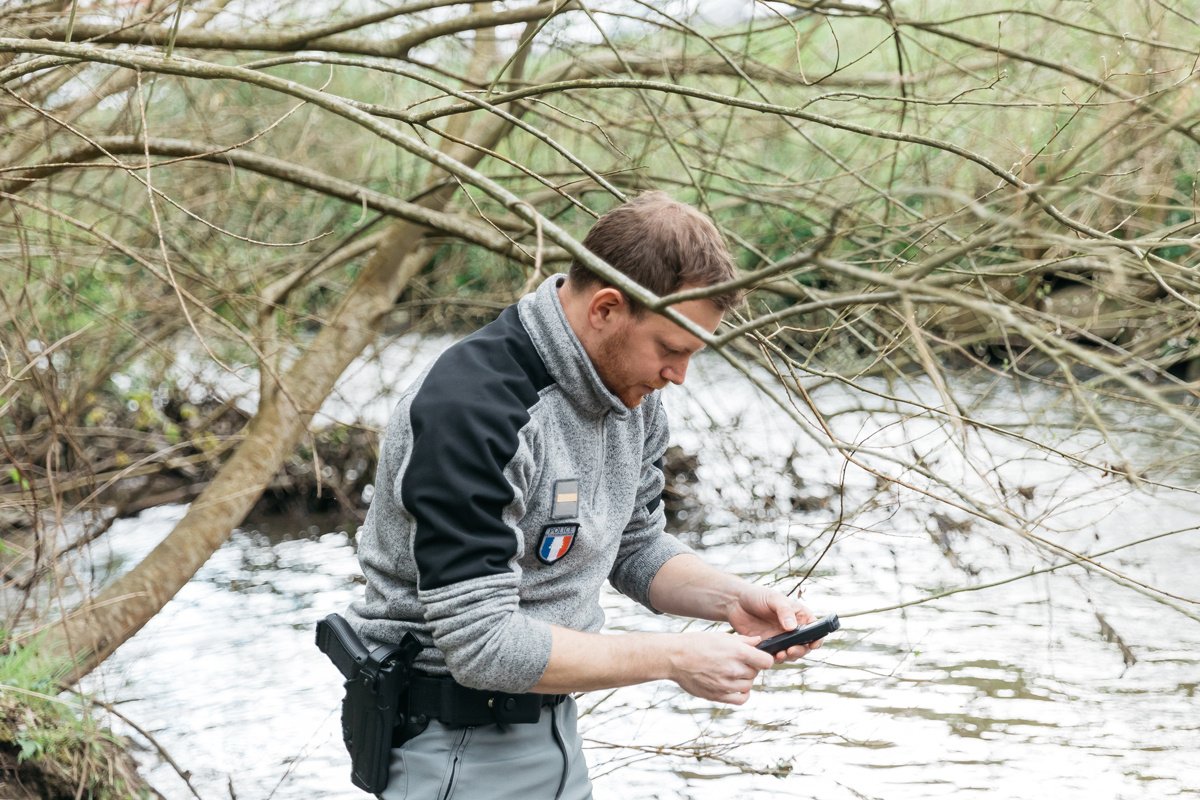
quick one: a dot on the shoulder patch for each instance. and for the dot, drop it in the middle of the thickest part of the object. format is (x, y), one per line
(556, 541)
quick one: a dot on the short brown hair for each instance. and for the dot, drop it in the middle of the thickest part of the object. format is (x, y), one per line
(662, 244)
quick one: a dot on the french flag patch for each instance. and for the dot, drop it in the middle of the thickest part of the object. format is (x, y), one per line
(556, 542)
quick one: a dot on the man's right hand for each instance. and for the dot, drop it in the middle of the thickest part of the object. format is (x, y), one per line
(717, 666)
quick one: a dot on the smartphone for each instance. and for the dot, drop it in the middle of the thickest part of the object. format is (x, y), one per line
(802, 635)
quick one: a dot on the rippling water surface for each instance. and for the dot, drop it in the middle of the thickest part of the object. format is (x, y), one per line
(1005, 692)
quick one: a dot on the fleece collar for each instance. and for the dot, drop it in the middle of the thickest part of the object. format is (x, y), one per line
(543, 316)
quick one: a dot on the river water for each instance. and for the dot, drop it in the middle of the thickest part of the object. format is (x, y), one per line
(1010, 691)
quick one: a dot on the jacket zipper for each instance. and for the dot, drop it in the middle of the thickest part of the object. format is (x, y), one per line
(599, 473)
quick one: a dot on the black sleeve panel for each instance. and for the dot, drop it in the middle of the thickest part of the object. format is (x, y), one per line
(466, 418)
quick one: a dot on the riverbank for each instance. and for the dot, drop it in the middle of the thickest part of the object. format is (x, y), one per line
(55, 749)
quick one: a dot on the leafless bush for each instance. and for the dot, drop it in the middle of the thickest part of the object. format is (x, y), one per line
(911, 191)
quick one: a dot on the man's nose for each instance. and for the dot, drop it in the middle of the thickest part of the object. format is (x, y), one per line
(675, 373)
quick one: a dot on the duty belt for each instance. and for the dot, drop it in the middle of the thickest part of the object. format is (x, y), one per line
(444, 699)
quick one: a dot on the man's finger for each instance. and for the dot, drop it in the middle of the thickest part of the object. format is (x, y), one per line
(784, 611)
(799, 651)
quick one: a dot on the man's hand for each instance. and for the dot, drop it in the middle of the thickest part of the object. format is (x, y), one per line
(687, 586)
(717, 666)
(760, 612)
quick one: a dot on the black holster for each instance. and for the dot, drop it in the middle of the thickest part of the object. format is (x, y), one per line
(376, 686)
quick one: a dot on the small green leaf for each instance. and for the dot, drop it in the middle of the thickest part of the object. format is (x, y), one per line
(30, 748)
(16, 476)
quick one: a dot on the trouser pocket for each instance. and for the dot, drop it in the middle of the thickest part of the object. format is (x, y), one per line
(428, 766)
(454, 768)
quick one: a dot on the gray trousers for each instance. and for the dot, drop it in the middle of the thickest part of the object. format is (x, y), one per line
(539, 761)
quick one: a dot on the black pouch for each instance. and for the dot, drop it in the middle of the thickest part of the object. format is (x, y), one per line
(376, 683)
(456, 705)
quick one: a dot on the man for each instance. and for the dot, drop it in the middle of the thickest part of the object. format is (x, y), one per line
(521, 471)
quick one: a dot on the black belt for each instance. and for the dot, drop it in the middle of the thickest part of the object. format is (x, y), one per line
(443, 699)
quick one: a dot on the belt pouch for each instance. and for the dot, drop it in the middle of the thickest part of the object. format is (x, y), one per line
(457, 705)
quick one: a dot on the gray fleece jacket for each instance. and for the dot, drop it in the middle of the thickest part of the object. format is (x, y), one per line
(511, 484)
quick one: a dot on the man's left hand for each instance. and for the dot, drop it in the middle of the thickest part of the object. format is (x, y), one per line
(762, 612)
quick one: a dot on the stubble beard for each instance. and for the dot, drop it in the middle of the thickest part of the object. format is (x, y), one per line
(612, 365)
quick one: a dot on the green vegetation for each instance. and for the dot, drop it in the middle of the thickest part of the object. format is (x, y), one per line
(52, 747)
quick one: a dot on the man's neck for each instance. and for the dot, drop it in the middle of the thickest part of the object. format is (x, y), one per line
(576, 314)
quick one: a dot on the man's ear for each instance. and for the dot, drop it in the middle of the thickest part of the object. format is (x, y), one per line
(607, 307)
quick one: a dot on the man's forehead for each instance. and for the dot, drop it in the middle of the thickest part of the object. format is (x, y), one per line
(675, 336)
(703, 313)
